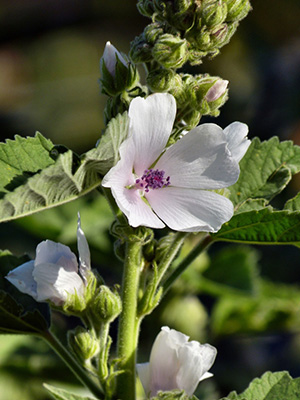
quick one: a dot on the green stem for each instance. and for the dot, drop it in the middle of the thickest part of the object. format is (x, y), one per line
(78, 371)
(103, 370)
(129, 322)
(203, 244)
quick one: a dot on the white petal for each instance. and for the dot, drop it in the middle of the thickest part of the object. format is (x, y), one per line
(200, 160)
(194, 360)
(109, 57)
(190, 210)
(22, 278)
(163, 363)
(83, 250)
(151, 122)
(54, 283)
(143, 371)
(236, 136)
(56, 253)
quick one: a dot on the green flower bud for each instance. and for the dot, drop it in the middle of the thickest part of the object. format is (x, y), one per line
(237, 9)
(161, 80)
(145, 7)
(221, 34)
(117, 74)
(106, 305)
(140, 50)
(214, 12)
(83, 343)
(170, 51)
(152, 32)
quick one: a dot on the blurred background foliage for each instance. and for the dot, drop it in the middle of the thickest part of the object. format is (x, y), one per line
(244, 300)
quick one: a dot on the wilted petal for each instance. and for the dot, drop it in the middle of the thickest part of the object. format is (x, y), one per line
(54, 283)
(200, 160)
(53, 253)
(22, 278)
(190, 210)
(236, 136)
(151, 122)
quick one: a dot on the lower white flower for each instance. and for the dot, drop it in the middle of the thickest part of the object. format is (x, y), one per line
(54, 274)
(155, 185)
(176, 363)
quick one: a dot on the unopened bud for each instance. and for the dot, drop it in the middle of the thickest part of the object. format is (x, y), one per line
(214, 12)
(152, 32)
(106, 305)
(237, 9)
(83, 343)
(140, 50)
(217, 90)
(170, 51)
(161, 80)
(117, 75)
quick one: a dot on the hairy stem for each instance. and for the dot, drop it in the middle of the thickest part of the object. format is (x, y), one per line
(129, 322)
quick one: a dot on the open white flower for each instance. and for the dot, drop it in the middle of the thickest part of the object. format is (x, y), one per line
(54, 273)
(176, 363)
(156, 186)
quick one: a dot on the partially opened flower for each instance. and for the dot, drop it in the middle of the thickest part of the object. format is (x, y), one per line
(176, 363)
(54, 274)
(156, 186)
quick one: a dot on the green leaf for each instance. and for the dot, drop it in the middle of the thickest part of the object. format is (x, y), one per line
(19, 313)
(293, 204)
(271, 386)
(60, 394)
(21, 158)
(266, 169)
(232, 269)
(274, 307)
(264, 226)
(64, 181)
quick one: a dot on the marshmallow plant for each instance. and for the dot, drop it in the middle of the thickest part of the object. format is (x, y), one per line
(170, 180)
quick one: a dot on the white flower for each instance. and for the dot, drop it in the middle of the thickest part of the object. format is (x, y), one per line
(54, 273)
(176, 363)
(154, 186)
(109, 58)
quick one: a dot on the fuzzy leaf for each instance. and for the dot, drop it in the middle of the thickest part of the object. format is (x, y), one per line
(60, 394)
(67, 179)
(271, 386)
(19, 313)
(266, 169)
(264, 226)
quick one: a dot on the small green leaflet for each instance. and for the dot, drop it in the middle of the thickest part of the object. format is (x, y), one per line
(271, 386)
(29, 187)
(60, 394)
(19, 313)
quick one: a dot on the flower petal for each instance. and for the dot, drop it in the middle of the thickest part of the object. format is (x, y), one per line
(190, 210)
(200, 160)
(236, 136)
(143, 371)
(54, 283)
(83, 250)
(193, 359)
(151, 122)
(22, 278)
(53, 253)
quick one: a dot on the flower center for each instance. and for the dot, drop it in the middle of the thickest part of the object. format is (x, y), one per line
(152, 179)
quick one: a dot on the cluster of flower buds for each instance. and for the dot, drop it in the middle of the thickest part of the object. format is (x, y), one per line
(186, 30)
(195, 95)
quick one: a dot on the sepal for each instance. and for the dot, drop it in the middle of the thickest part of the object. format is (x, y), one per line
(83, 343)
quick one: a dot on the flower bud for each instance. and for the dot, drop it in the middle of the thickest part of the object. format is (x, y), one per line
(106, 305)
(217, 90)
(117, 75)
(237, 9)
(145, 7)
(83, 343)
(140, 50)
(214, 12)
(161, 80)
(170, 51)
(152, 32)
